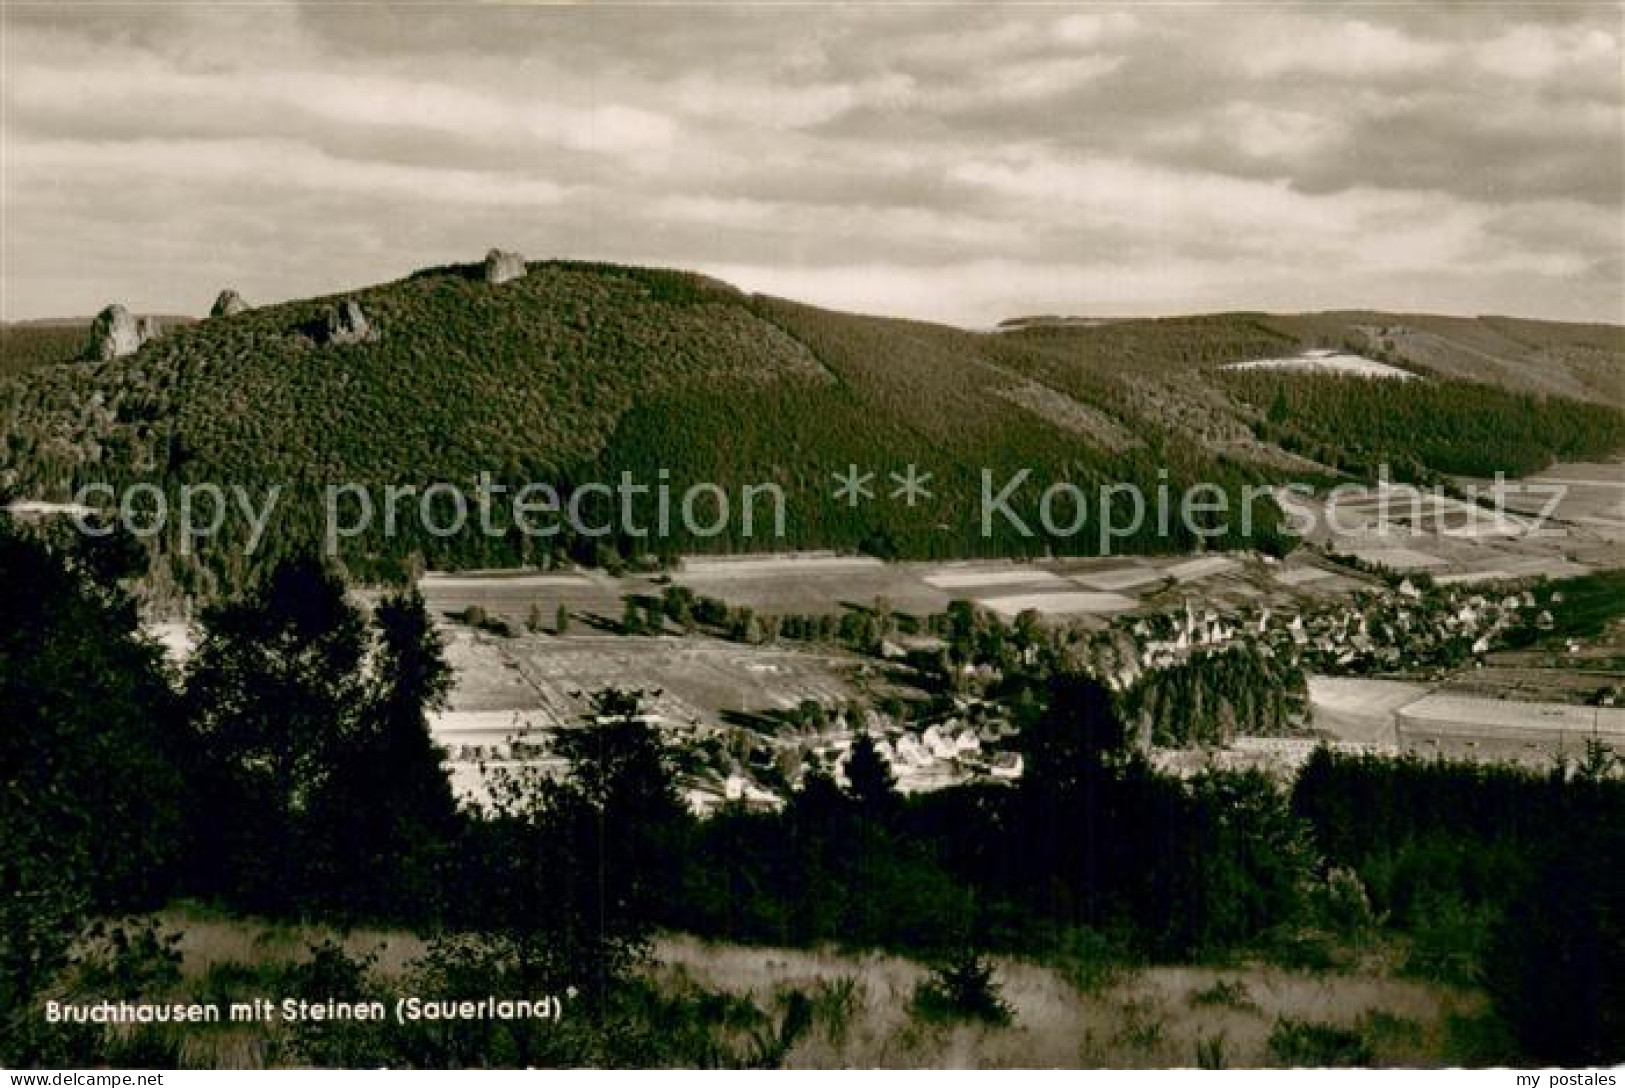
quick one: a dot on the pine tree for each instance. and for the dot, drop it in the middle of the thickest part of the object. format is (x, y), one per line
(1280, 410)
(870, 781)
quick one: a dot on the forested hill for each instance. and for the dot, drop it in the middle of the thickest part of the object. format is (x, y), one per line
(575, 372)
(1565, 359)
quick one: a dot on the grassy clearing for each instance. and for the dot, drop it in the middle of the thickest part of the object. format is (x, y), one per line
(1145, 1017)
(824, 1008)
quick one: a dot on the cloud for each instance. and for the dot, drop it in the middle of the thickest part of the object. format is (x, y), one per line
(265, 167)
(955, 162)
(1353, 49)
(1539, 53)
(146, 93)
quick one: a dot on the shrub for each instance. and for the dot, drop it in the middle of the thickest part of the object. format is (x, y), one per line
(835, 1004)
(1343, 905)
(331, 972)
(1091, 960)
(962, 989)
(1303, 1043)
(476, 616)
(131, 961)
(1225, 993)
(1142, 1028)
(1448, 940)
(1210, 1052)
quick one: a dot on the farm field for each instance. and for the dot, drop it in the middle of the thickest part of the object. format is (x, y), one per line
(698, 678)
(1359, 710)
(1060, 604)
(1502, 679)
(510, 595)
(1122, 578)
(817, 585)
(1299, 576)
(515, 690)
(533, 681)
(1458, 543)
(1400, 510)
(1592, 499)
(537, 680)
(1450, 540)
(1406, 560)
(1191, 570)
(975, 579)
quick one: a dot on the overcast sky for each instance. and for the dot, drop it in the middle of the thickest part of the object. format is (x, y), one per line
(959, 163)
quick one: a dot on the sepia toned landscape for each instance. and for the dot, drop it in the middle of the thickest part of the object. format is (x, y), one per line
(728, 537)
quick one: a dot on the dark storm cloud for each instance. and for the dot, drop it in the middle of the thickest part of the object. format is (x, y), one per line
(956, 162)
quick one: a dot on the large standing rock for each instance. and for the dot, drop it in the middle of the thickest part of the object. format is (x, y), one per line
(347, 324)
(229, 302)
(502, 266)
(116, 333)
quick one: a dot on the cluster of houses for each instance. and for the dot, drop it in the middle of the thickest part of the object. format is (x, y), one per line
(1164, 640)
(1406, 628)
(942, 754)
(922, 758)
(1372, 631)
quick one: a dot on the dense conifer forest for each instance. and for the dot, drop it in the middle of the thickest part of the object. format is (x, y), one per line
(578, 373)
(1424, 430)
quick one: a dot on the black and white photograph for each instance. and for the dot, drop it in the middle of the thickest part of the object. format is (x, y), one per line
(812, 536)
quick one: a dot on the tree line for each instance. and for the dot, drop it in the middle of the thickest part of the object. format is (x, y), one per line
(1424, 430)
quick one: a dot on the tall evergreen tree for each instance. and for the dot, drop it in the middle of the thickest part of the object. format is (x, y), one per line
(870, 781)
(277, 698)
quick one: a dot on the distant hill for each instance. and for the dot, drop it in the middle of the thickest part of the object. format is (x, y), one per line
(1584, 362)
(577, 372)
(1052, 321)
(27, 345)
(1580, 361)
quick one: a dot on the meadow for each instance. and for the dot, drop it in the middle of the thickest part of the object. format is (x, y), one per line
(1077, 1014)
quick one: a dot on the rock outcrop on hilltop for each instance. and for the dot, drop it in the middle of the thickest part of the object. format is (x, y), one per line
(229, 302)
(502, 266)
(116, 333)
(347, 324)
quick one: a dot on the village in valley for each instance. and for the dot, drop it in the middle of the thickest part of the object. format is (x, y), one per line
(760, 668)
(812, 536)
